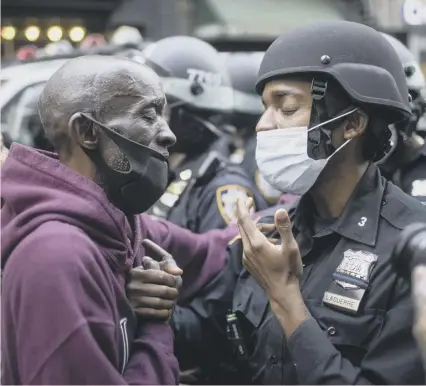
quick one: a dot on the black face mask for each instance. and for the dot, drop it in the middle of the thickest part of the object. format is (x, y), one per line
(136, 189)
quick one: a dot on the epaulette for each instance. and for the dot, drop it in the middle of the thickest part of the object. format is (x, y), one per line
(184, 182)
(209, 167)
(400, 209)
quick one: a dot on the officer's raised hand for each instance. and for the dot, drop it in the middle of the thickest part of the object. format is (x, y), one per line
(154, 288)
(277, 268)
(271, 265)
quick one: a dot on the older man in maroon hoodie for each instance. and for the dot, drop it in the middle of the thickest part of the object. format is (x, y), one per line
(70, 233)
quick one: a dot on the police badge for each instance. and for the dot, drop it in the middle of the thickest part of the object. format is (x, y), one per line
(351, 280)
(226, 199)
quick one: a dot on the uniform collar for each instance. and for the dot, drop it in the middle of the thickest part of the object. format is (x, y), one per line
(360, 218)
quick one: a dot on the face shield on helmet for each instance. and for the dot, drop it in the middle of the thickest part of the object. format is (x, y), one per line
(197, 86)
(243, 68)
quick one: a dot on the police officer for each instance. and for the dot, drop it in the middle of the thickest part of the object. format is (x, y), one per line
(406, 164)
(248, 108)
(203, 186)
(322, 305)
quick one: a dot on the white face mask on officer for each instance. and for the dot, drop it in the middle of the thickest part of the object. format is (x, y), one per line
(282, 157)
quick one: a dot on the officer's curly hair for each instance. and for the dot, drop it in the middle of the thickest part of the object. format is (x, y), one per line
(377, 134)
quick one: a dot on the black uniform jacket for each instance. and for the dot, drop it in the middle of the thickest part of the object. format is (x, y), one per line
(360, 331)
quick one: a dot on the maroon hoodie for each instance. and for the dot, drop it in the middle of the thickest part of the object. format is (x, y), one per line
(65, 252)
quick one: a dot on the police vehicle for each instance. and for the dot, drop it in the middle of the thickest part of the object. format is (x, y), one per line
(21, 84)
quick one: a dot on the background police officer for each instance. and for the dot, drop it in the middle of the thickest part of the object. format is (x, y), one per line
(330, 91)
(204, 186)
(406, 163)
(248, 108)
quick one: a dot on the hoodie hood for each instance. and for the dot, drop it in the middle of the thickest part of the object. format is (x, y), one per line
(37, 188)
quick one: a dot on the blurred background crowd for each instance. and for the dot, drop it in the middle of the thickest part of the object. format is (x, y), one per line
(47, 32)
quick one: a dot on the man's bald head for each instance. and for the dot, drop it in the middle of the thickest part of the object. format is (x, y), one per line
(102, 86)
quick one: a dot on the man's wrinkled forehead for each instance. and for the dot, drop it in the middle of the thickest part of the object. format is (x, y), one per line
(130, 84)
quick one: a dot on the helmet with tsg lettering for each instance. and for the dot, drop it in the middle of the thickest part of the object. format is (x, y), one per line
(197, 86)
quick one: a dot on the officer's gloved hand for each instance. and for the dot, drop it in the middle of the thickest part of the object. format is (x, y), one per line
(419, 298)
(153, 288)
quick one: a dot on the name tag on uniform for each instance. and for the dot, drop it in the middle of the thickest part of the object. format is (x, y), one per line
(351, 281)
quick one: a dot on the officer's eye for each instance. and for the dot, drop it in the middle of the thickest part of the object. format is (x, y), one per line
(288, 112)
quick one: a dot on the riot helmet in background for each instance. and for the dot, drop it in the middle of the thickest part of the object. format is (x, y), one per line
(416, 85)
(198, 90)
(243, 68)
(406, 144)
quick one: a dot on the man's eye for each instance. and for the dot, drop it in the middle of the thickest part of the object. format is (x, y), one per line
(150, 116)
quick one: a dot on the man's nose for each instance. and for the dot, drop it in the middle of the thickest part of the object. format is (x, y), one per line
(166, 138)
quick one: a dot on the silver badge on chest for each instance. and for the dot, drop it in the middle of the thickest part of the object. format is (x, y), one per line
(351, 281)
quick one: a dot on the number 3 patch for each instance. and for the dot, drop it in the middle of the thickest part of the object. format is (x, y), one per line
(226, 199)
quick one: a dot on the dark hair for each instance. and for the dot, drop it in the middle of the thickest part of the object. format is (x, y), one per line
(377, 134)
(376, 137)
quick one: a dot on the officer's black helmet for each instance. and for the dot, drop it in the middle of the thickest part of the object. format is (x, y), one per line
(356, 56)
(416, 85)
(243, 68)
(414, 76)
(197, 86)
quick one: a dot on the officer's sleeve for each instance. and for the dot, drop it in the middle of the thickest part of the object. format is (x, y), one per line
(392, 358)
(217, 203)
(200, 327)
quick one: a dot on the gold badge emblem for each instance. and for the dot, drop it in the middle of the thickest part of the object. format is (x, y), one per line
(227, 197)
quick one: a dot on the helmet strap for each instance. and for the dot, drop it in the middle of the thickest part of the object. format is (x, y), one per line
(321, 124)
(319, 141)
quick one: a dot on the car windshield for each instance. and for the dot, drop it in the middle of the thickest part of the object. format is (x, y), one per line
(20, 120)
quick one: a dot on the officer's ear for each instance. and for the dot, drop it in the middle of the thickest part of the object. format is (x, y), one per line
(356, 125)
(83, 131)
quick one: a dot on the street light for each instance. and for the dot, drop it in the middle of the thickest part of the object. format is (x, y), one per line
(54, 33)
(32, 33)
(8, 32)
(77, 34)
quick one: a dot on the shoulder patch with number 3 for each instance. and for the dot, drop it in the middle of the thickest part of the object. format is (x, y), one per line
(226, 199)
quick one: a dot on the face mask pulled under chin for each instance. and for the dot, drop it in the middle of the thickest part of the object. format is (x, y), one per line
(282, 159)
(136, 186)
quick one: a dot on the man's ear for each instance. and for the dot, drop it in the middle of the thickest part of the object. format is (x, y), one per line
(356, 124)
(83, 131)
